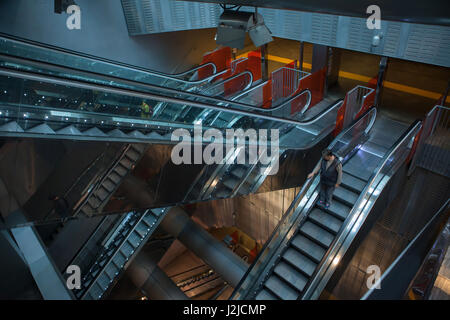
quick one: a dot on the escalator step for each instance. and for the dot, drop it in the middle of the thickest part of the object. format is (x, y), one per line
(108, 184)
(346, 196)
(230, 182)
(121, 170)
(102, 193)
(111, 270)
(290, 275)
(119, 260)
(338, 209)
(325, 220)
(133, 154)
(149, 219)
(353, 183)
(126, 163)
(308, 247)
(95, 291)
(280, 288)
(301, 262)
(244, 189)
(142, 229)
(115, 178)
(317, 233)
(135, 239)
(238, 172)
(94, 202)
(127, 249)
(265, 295)
(104, 281)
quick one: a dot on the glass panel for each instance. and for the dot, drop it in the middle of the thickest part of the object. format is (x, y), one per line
(79, 61)
(59, 104)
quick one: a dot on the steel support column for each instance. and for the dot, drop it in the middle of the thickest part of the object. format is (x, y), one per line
(45, 273)
(380, 79)
(264, 63)
(153, 281)
(300, 56)
(226, 263)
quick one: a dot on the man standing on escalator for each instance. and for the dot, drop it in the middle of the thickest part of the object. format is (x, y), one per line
(330, 169)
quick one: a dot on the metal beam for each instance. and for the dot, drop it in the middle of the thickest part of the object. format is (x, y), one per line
(225, 262)
(45, 273)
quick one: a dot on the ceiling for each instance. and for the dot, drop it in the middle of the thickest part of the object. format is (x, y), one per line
(435, 12)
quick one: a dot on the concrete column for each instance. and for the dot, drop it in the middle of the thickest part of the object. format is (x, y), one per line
(225, 262)
(153, 281)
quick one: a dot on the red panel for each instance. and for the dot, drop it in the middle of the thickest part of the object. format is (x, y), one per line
(340, 117)
(267, 94)
(291, 64)
(414, 146)
(373, 82)
(254, 64)
(368, 102)
(220, 57)
(315, 83)
(239, 83)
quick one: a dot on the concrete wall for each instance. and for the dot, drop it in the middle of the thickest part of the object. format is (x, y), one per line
(257, 215)
(104, 33)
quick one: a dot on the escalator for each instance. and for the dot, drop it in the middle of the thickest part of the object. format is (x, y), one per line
(103, 269)
(45, 100)
(310, 241)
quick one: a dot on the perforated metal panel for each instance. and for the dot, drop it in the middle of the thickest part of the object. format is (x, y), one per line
(416, 42)
(324, 29)
(428, 43)
(130, 11)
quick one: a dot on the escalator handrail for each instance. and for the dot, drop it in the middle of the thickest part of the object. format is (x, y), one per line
(132, 83)
(327, 266)
(199, 176)
(217, 84)
(417, 240)
(289, 98)
(159, 97)
(299, 195)
(85, 290)
(150, 72)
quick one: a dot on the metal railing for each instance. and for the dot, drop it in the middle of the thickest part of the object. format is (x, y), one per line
(35, 51)
(355, 99)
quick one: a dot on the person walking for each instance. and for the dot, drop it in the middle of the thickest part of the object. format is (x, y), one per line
(330, 169)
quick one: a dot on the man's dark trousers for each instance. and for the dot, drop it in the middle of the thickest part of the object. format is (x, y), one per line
(326, 193)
